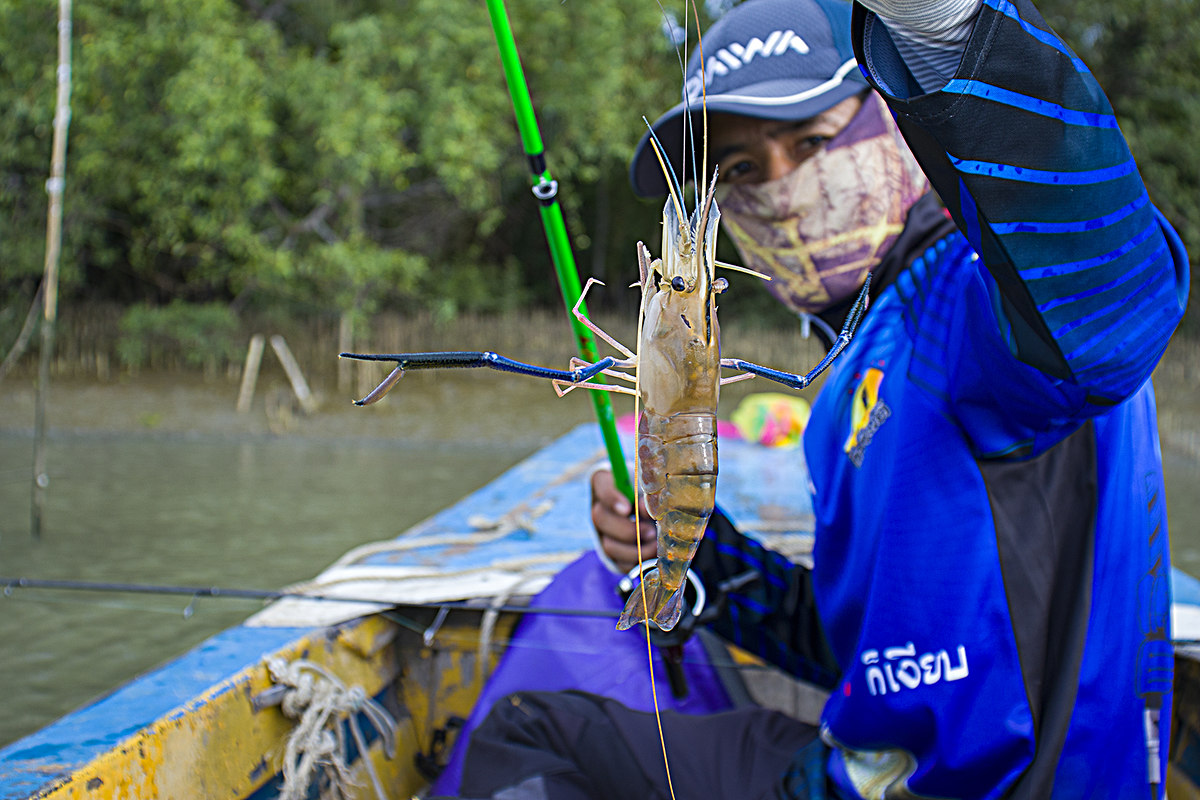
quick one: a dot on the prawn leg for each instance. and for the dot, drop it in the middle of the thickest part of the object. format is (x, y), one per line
(797, 381)
(593, 327)
(600, 387)
(745, 376)
(604, 387)
(613, 373)
(468, 360)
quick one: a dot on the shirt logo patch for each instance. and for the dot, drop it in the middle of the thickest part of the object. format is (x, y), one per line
(901, 668)
(867, 414)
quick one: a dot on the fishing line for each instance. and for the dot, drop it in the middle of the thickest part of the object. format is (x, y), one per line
(110, 604)
(452, 638)
(9, 584)
(637, 531)
(447, 636)
(637, 482)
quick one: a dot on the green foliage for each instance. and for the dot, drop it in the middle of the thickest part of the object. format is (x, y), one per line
(359, 155)
(1146, 55)
(194, 335)
(593, 70)
(27, 32)
(352, 154)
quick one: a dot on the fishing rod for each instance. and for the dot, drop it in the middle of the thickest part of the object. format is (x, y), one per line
(9, 584)
(545, 189)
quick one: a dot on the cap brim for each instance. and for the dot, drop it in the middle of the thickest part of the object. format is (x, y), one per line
(764, 101)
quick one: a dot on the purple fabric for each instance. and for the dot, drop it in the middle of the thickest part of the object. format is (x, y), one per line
(555, 653)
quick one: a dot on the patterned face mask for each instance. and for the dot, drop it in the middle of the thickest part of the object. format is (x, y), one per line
(819, 230)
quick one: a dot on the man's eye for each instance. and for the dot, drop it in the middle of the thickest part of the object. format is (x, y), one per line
(738, 169)
(809, 144)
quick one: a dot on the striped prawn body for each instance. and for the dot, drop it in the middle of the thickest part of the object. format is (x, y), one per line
(677, 456)
(679, 376)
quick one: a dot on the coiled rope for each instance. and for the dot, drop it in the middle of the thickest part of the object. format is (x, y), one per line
(321, 702)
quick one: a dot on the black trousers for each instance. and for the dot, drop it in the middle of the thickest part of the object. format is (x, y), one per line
(578, 746)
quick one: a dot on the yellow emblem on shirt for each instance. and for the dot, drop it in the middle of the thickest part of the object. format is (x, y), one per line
(867, 413)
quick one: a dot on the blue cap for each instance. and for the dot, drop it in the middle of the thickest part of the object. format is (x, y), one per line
(771, 59)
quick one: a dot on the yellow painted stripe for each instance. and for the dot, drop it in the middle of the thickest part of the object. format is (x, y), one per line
(218, 747)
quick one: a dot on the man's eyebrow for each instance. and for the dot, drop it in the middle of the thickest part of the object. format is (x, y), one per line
(784, 127)
(790, 126)
(726, 151)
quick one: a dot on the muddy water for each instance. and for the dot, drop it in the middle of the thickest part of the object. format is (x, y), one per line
(158, 480)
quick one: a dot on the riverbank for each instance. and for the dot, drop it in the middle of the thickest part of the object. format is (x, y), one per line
(89, 393)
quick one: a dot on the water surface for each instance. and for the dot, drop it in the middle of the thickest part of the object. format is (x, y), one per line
(258, 514)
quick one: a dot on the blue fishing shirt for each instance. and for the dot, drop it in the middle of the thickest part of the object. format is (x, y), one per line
(989, 604)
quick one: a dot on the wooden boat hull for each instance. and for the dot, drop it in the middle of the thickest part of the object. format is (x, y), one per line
(223, 744)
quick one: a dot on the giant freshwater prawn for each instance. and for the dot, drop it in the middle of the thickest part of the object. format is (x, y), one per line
(675, 378)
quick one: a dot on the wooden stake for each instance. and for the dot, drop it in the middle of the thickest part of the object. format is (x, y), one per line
(250, 372)
(292, 368)
(345, 345)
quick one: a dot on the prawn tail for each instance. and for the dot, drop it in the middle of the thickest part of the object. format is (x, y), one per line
(665, 606)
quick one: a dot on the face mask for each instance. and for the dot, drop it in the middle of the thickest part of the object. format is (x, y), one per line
(819, 230)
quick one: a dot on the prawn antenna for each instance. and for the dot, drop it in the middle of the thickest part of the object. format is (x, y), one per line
(668, 171)
(671, 25)
(689, 128)
(746, 270)
(703, 106)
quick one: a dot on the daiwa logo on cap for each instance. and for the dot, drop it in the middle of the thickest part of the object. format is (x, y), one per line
(735, 55)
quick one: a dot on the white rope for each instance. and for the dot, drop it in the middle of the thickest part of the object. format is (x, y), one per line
(486, 529)
(487, 627)
(321, 702)
(521, 517)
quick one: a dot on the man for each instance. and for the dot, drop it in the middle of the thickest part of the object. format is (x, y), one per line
(989, 603)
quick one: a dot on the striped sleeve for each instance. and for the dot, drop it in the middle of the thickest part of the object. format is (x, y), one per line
(772, 612)
(930, 35)
(1024, 149)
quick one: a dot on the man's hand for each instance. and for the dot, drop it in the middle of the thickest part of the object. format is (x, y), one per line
(612, 516)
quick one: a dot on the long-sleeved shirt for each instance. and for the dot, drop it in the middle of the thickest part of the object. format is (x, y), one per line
(989, 602)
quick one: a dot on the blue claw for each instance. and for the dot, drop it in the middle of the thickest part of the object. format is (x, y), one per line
(468, 360)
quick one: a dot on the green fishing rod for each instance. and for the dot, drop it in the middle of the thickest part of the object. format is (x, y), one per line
(545, 189)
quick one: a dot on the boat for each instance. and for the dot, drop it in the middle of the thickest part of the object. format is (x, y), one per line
(359, 681)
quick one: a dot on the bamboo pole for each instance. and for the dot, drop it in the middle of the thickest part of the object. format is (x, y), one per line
(54, 188)
(18, 348)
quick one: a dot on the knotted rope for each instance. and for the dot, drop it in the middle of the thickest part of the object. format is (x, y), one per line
(321, 702)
